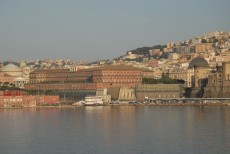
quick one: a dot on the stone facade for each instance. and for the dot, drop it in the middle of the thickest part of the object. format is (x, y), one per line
(126, 94)
(157, 74)
(50, 75)
(219, 83)
(5, 78)
(103, 93)
(201, 71)
(98, 78)
(182, 74)
(12, 70)
(158, 91)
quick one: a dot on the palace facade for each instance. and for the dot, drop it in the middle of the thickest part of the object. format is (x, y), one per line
(86, 79)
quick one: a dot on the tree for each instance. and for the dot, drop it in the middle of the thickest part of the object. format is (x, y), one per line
(204, 41)
(164, 80)
(11, 85)
(6, 83)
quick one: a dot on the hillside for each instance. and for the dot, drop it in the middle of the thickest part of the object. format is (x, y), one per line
(145, 50)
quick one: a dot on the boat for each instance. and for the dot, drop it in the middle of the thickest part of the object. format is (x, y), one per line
(93, 100)
(80, 103)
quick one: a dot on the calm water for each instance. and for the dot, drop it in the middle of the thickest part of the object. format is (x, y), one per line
(117, 129)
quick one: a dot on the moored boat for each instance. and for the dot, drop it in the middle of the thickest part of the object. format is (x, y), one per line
(93, 100)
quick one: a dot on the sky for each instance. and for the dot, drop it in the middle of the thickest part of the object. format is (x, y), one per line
(102, 29)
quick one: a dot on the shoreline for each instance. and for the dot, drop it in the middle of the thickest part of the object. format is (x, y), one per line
(76, 106)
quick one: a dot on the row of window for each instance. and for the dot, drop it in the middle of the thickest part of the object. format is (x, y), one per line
(5, 80)
(117, 73)
(168, 88)
(12, 100)
(116, 80)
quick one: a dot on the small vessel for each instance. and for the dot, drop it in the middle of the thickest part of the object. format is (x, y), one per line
(80, 103)
(93, 100)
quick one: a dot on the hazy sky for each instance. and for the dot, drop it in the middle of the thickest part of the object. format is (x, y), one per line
(102, 29)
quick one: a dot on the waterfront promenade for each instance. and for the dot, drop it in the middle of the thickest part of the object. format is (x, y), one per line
(188, 101)
(150, 102)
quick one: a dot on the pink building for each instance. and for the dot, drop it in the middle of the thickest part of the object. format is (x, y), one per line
(12, 93)
(28, 101)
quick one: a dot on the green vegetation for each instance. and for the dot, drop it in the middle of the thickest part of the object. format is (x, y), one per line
(7, 86)
(145, 50)
(164, 80)
(4, 88)
(164, 55)
(11, 87)
(137, 59)
(204, 41)
(51, 82)
(41, 92)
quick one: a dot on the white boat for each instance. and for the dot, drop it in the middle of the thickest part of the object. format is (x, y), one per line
(93, 100)
(80, 103)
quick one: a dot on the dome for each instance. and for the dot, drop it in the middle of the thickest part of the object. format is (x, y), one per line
(198, 62)
(10, 67)
(12, 70)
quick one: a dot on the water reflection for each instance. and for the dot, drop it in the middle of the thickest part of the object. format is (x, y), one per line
(116, 129)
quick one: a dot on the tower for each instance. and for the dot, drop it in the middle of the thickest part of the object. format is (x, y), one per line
(201, 71)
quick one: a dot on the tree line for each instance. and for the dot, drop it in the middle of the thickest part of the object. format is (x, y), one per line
(164, 80)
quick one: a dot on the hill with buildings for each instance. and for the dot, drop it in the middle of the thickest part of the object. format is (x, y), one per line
(174, 63)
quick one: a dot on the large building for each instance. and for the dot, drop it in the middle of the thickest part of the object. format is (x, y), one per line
(20, 82)
(156, 74)
(21, 99)
(219, 82)
(86, 79)
(182, 74)
(48, 76)
(5, 78)
(201, 71)
(14, 75)
(12, 70)
(208, 84)
(158, 91)
(203, 47)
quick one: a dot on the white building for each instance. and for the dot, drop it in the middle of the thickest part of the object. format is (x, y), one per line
(103, 93)
(19, 82)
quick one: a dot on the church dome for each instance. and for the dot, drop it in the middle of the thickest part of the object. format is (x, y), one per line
(12, 70)
(198, 62)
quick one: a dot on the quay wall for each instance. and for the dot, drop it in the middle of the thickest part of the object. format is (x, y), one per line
(188, 101)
